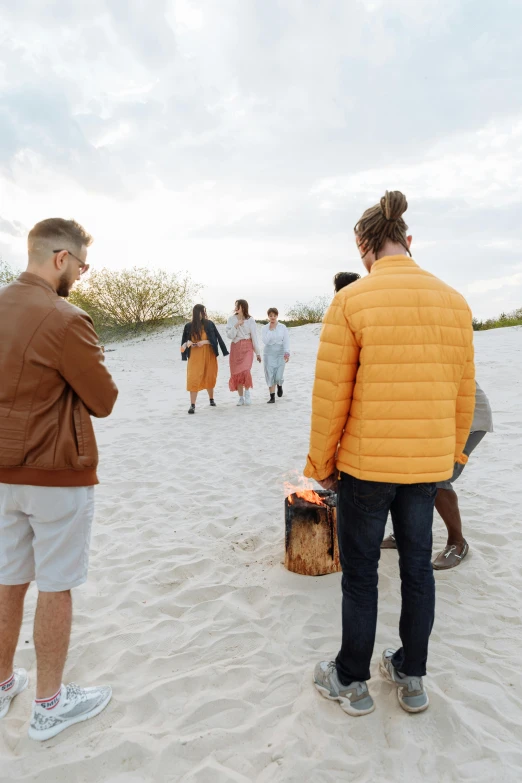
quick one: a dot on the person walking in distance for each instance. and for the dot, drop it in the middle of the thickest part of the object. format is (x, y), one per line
(200, 345)
(242, 330)
(392, 407)
(52, 380)
(277, 353)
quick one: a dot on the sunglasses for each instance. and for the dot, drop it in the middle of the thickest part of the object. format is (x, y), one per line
(83, 266)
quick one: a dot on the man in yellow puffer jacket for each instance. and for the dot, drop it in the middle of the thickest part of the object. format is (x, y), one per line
(393, 403)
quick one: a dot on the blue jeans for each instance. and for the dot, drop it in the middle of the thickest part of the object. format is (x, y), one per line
(362, 511)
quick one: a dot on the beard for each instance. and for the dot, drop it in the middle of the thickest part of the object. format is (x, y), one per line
(64, 286)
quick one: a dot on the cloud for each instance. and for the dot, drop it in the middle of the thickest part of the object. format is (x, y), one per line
(12, 227)
(480, 169)
(263, 129)
(259, 88)
(495, 283)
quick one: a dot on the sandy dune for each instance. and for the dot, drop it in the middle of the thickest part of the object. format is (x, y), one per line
(210, 644)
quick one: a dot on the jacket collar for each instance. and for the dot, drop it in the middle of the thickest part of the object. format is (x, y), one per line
(29, 279)
(386, 262)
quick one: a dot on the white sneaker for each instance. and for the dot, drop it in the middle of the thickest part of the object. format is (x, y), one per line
(241, 401)
(21, 681)
(248, 398)
(76, 705)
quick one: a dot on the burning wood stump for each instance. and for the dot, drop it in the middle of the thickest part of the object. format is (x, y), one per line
(311, 532)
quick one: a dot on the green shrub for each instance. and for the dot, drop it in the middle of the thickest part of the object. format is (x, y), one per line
(218, 318)
(311, 312)
(504, 319)
(134, 297)
(7, 273)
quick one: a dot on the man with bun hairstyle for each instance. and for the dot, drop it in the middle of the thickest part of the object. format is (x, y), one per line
(393, 402)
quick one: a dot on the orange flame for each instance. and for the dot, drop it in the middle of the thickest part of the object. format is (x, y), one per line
(310, 496)
(305, 491)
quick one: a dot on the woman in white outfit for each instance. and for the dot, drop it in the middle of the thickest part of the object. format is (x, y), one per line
(242, 330)
(277, 353)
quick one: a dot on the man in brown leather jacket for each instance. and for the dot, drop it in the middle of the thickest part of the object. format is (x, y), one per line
(52, 380)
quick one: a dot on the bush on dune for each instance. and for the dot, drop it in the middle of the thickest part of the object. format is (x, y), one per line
(217, 318)
(7, 273)
(135, 296)
(505, 319)
(311, 312)
(134, 299)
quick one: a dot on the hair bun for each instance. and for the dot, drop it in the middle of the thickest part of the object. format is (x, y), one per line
(393, 205)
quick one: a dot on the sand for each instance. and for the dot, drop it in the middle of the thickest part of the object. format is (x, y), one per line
(209, 643)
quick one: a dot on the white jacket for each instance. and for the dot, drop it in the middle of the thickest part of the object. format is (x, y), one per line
(277, 336)
(247, 331)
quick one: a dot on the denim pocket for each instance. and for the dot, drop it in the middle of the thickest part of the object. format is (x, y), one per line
(372, 495)
(429, 490)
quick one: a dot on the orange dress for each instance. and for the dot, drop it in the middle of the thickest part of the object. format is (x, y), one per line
(202, 367)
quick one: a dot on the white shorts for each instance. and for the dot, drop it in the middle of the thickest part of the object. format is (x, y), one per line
(45, 534)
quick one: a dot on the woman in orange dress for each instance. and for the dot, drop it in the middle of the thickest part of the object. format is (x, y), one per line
(199, 346)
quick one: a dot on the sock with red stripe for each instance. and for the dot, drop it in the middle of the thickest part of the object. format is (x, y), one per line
(51, 702)
(7, 684)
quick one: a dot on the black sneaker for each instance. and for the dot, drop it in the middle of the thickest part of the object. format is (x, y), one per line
(272, 399)
(212, 403)
(279, 391)
(192, 409)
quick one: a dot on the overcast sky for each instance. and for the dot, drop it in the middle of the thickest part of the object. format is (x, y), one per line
(241, 139)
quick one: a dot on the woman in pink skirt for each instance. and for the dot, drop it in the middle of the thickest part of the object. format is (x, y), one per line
(242, 330)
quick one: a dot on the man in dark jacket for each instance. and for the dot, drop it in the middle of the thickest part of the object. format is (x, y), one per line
(52, 380)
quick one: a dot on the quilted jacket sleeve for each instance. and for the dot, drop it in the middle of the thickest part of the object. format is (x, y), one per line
(335, 373)
(465, 405)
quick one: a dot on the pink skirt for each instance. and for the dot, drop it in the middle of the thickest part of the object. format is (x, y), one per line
(241, 358)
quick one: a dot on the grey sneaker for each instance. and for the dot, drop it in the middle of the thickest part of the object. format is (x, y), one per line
(76, 705)
(411, 692)
(354, 699)
(20, 683)
(241, 401)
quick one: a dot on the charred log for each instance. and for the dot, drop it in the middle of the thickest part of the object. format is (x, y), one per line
(311, 535)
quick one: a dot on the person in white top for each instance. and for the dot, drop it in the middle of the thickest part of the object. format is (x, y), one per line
(242, 330)
(277, 352)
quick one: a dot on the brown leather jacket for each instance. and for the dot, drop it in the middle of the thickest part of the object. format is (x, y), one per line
(52, 380)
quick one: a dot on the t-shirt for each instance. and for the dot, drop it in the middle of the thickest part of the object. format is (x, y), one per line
(483, 418)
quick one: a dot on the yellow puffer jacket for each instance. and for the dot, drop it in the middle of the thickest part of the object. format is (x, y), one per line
(394, 389)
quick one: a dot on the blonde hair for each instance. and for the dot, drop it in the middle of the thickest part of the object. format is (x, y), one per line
(57, 230)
